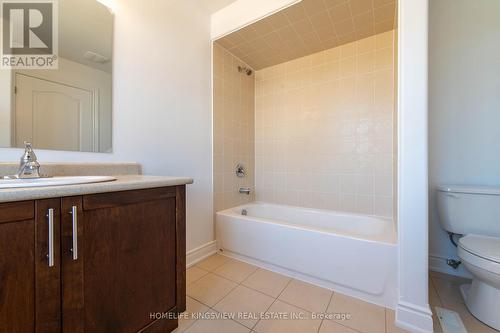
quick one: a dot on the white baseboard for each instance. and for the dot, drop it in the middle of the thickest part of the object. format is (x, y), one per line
(437, 263)
(414, 318)
(200, 253)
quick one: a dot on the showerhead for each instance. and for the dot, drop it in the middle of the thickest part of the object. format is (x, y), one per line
(246, 70)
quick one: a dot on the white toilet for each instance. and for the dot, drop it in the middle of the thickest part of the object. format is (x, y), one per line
(475, 213)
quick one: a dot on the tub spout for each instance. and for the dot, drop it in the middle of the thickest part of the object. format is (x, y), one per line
(245, 190)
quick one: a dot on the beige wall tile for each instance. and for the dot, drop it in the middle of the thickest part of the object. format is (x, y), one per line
(324, 129)
(234, 130)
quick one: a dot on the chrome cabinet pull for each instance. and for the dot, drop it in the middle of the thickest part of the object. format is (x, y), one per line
(74, 215)
(50, 256)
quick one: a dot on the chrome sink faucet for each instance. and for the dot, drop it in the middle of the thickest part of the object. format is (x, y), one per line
(29, 166)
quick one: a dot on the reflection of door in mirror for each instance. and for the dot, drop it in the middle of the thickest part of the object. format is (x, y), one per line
(53, 115)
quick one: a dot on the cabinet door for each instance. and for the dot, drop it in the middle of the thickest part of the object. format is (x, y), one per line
(17, 269)
(129, 259)
(30, 298)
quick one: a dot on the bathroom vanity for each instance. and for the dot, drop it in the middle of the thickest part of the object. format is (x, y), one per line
(106, 257)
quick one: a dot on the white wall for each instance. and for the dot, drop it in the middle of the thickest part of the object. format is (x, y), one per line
(464, 105)
(162, 98)
(413, 312)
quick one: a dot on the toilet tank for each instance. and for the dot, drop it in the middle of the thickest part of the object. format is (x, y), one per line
(469, 210)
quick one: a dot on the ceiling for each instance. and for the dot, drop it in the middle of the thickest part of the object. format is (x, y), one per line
(211, 6)
(307, 27)
(85, 25)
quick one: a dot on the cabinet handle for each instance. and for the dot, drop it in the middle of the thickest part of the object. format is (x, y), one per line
(50, 216)
(74, 215)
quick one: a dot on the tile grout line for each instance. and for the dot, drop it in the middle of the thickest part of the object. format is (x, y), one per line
(274, 301)
(237, 285)
(322, 320)
(341, 324)
(197, 278)
(275, 298)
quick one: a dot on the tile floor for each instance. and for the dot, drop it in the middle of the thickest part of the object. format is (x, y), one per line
(444, 292)
(220, 288)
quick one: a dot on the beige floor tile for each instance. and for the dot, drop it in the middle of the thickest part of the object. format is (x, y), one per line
(216, 325)
(194, 273)
(365, 317)
(437, 327)
(471, 323)
(210, 289)
(235, 270)
(268, 282)
(433, 295)
(213, 262)
(328, 326)
(193, 309)
(297, 320)
(306, 296)
(390, 322)
(448, 290)
(242, 302)
(448, 277)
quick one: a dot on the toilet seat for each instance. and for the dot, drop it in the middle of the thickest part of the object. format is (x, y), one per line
(487, 248)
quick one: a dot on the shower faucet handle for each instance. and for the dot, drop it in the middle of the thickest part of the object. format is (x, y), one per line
(240, 170)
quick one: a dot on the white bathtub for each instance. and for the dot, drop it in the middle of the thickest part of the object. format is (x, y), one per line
(352, 254)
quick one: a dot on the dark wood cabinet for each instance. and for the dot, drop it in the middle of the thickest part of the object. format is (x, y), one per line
(17, 267)
(116, 260)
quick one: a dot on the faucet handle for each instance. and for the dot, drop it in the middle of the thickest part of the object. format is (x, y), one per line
(29, 155)
(28, 145)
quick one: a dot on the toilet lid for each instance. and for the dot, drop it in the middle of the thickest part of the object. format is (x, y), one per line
(482, 246)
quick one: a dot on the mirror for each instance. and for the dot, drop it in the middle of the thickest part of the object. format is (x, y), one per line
(68, 107)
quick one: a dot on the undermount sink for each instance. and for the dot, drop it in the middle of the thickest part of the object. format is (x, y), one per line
(53, 181)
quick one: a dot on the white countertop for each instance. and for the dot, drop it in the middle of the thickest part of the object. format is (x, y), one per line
(122, 183)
